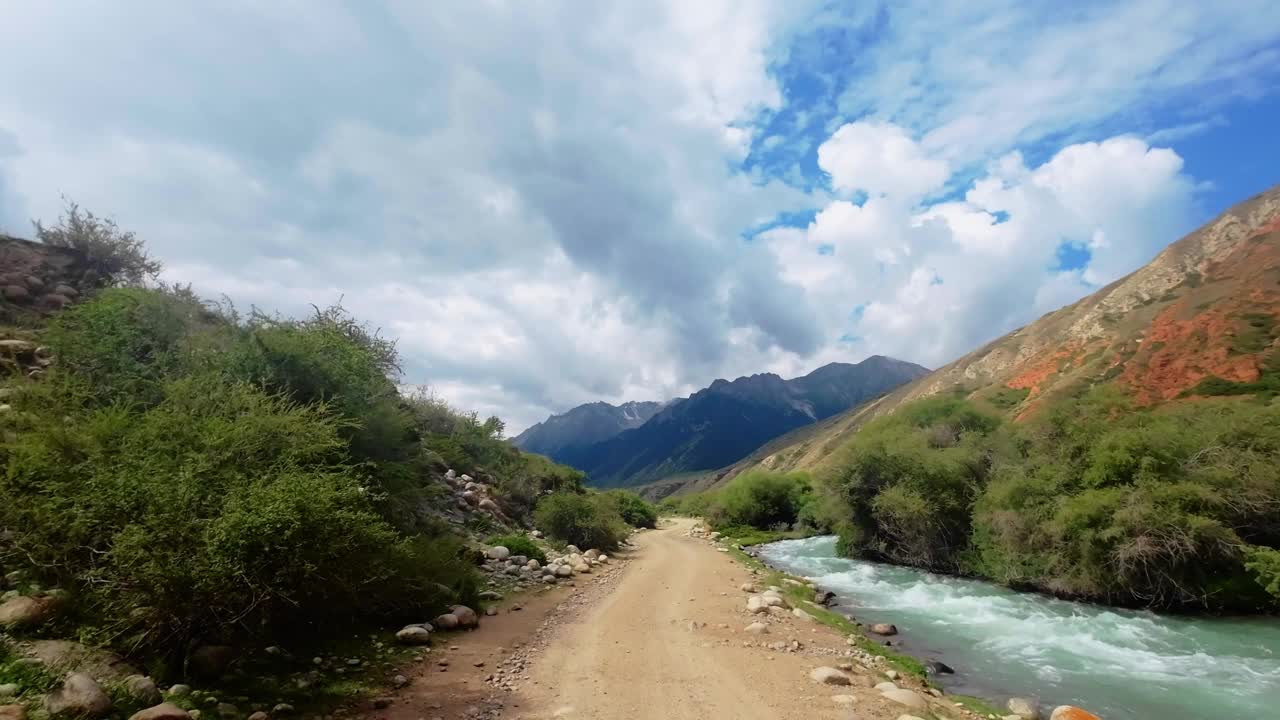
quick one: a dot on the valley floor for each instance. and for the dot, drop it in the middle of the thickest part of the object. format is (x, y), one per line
(660, 637)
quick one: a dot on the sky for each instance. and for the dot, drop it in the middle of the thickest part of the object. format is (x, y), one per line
(549, 203)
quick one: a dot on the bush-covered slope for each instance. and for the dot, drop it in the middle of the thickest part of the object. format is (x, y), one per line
(187, 475)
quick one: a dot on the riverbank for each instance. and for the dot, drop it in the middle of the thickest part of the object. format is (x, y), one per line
(1118, 663)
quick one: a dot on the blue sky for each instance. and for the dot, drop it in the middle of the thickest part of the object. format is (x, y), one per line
(554, 203)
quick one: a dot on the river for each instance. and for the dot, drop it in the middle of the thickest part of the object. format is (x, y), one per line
(1119, 664)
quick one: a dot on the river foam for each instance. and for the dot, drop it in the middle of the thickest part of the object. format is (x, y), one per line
(1118, 663)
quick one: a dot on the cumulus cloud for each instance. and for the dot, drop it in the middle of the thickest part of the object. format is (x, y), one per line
(932, 281)
(553, 203)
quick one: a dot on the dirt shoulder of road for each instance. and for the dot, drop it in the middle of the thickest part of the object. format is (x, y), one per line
(661, 634)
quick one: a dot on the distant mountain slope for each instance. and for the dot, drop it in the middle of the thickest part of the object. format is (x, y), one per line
(1200, 318)
(727, 420)
(585, 424)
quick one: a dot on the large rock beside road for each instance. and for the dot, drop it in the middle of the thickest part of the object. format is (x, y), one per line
(447, 621)
(755, 604)
(413, 635)
(163, 711)
(27, 612)
(498, 552)
(910, 698)
(80, 696)
(467, 617)
(828, 676)
(1025, 709)
(757, 628)
(143, 689)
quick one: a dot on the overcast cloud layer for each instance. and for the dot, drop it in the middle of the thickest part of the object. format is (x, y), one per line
(551, 203)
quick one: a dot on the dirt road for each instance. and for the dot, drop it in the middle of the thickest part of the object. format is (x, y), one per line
(668, 643)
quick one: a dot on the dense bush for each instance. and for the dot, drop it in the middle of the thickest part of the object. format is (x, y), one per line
(1174, 507)
(187, 474)
(633, 509)
(588, 520)
(908, 483)
(519, 545)
(761, 499)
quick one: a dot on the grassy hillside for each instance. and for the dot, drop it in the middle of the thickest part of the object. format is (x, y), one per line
(1199, 319)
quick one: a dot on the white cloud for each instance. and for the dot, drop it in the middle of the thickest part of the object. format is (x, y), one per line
(880, 159)
(938, 280)
(542, 201)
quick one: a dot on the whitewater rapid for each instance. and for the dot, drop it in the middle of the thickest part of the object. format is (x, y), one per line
(1119, 664)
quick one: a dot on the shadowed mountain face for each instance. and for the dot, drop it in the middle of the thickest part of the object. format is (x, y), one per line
(1202, 318)
(585, 424)
(726, 421)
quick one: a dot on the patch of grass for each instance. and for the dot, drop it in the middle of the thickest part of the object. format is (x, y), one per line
(519, 545)
(1006, 398)
(746, 535)
(1258, 334)
(977, 705)
(32, 680)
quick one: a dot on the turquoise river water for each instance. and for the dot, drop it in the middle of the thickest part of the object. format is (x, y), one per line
(1119, 664)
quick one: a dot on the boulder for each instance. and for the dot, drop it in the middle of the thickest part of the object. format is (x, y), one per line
(747, 588)
(884, 629)
(563, 571)
(498, 552)
(489, 506)
(67, 656)
(13, 712)
(467, 618)
(591, 554)
(66, 290)
(824, 597)
(937, 667)
(211, 661)
(28, 612)
(470, 497)
(1071, 712)
(755, 604)
(143, 689)
(828, 676)
(178, 690)
(536, 534)
(603, 558)
(910, 698)
(773, 600)
(259, 715)
(79, 696)
(886, 686)
(447, 621)
(572, 550)
(582, 568)
(14, 292)
(518, 559)
(163, 711)
(756, 628)
(1025, 709)
(802, 614)
(413, 635)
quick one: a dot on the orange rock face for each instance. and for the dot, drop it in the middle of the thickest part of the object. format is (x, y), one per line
(1070, 712)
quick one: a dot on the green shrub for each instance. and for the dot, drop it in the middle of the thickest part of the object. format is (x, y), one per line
(1095, 499)
(115, 256)
(760, 499)
(220, 510)
(519, 545)
(588, 520)
(119, 346)
(634, 510)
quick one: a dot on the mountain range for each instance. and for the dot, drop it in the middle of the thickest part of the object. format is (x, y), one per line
(638, 443)
(1202, 318)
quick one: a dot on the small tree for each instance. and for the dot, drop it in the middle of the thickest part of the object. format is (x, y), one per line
(118, 257)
